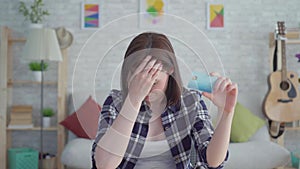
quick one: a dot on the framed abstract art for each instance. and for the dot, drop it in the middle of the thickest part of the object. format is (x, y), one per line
(215, 16)
(152, 12)
(90, 16)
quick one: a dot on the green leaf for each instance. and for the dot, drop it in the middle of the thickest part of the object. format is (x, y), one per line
(35, 13)
(37, 66)
(48, 112)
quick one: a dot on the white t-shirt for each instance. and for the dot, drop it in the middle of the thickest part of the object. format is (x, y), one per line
(155, 154)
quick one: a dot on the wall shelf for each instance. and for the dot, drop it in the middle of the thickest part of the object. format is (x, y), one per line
(8, 83)
(29, 82)
(292, 128)
(293, 41)
(16, 40)
(292, 38)
(33, 129)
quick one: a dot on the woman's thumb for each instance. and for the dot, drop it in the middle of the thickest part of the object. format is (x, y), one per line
(208, 95)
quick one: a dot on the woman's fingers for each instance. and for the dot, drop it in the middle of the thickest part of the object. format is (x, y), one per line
(139, 69)
(149, 66)
(142, 66)
(150, 72)
(226, 82)
(155, 69)
(214, 74)
(218, 83)
(233, 86)
(156, 73)
(222, 83)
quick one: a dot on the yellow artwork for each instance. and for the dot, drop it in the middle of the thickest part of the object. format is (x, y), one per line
(152, 10)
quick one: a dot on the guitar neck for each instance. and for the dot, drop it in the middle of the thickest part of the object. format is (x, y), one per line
(283, 60)
(282, 39)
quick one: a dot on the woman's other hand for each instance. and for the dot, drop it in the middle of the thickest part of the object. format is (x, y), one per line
(224, 94)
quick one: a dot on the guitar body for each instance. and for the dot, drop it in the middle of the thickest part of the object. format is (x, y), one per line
(282, 103)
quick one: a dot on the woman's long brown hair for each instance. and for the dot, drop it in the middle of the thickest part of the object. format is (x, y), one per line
(160, 48)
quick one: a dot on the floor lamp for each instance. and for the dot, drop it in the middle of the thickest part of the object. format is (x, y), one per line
(41, 45)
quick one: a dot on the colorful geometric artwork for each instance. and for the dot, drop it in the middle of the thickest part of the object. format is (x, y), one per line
(90, 17)
(152, 11)
(215, 19)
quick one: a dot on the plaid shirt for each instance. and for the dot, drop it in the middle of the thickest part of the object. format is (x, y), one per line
(182, 125)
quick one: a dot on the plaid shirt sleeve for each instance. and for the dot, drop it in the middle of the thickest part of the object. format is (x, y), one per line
(108, 114)
(202, 131)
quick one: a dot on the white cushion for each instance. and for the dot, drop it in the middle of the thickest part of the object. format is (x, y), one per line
(77, 153)
(262, 134)
(257, 155)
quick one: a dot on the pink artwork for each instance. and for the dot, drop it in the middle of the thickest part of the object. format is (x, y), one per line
(215, 16)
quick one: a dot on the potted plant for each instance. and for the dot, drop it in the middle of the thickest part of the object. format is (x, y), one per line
(47, 114)
(36, 68)
(35, 13)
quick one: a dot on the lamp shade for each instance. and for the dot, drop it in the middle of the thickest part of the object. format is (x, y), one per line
(42, 44)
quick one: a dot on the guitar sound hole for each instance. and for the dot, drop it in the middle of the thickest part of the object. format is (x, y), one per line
(284, 85)
(291, 76)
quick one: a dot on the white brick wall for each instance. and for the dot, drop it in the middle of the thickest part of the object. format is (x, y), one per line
(242, 45)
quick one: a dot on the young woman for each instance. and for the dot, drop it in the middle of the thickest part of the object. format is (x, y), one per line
(153, 121)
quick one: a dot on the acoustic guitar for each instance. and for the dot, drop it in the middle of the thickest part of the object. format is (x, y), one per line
(282, 103)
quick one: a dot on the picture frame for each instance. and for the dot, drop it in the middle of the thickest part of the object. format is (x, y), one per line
(151, 13)
(215, 16)
(90, 15)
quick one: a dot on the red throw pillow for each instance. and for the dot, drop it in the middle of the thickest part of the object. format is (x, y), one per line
(84, 122)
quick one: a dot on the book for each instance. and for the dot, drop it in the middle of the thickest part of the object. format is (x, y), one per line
(25, 126)
(21, 108)
(21, 115)
(20, 121)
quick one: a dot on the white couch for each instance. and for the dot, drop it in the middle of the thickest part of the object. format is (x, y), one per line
(257, 153)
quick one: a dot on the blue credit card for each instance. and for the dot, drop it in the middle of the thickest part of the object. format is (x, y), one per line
(202, 81)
